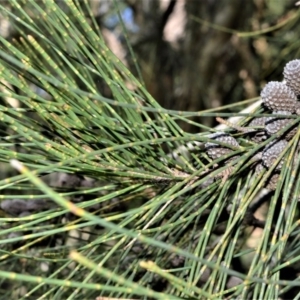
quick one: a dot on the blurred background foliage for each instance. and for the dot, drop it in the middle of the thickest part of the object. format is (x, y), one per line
(199, 55)
(147, 225)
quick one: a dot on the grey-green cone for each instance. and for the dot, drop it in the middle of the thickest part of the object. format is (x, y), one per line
(277, 96)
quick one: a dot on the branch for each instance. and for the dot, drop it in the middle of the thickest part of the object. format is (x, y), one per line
(184, 149)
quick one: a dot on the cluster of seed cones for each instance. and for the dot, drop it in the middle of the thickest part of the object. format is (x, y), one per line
(281, 98)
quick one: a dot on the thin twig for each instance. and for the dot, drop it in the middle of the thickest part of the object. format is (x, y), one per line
(184, 149)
